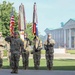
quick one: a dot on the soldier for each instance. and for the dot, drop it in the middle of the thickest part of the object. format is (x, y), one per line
(25, 52)
(15, 45)
(2, 47)
(49, 47)
(0, 60)
(37, 52)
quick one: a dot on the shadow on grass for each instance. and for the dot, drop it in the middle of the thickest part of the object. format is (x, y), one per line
(45, 68)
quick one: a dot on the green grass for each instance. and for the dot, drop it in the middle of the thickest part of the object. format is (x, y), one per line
(71, 51)
(5, 52)
(68, 64)
(42, 51)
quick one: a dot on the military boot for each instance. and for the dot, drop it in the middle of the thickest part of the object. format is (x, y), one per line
(16, 71)
(36, 67)
(12, 71)
(49, 68)
(0, 63)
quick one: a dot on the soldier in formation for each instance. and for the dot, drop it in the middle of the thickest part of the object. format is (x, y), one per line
(49, 47)
(15, 45)
(0, 60)
(2, 48)
(25, 52)
(37, 46)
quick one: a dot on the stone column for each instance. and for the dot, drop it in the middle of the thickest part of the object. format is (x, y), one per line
(70, 38)
(64, 38)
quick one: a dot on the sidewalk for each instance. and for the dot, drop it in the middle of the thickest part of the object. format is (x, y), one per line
(59, 56)
(56, 56)
(37, 72)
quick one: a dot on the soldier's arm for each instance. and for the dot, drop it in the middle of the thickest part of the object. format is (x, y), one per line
(3, 43)
(30, 42)
(52, 43)
(22, 45)
(40, 45)
(45, 45)
(8, 39)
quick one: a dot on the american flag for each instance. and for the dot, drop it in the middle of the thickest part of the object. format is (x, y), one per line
(35, 22)
(12, 22)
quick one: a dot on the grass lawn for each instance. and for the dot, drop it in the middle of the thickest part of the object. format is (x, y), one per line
(68, 64)
(71, 51)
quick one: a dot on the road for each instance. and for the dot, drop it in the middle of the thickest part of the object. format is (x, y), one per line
(37, 72)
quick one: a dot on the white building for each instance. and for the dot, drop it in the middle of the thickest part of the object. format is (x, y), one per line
(65, 36)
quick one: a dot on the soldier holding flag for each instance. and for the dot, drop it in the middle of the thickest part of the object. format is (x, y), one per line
(24, 37)
(37, 44)
(2, 48)
(25, 52)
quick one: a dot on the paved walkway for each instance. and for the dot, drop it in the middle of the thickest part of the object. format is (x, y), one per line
(59, 56)
(37, 72)
(64, 56)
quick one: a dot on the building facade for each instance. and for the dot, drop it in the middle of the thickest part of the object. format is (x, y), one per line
(65, 36)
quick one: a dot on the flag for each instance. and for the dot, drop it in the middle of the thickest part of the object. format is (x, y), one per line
(22, 21)
(35, 22)
(12, 22)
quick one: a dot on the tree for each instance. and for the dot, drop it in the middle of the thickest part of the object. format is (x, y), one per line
(29, 31)
(5, 12)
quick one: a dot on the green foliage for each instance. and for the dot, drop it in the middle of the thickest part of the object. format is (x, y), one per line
(29, 31)
(5, 13)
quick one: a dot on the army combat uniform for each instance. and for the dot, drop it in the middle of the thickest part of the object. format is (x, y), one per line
(0, 61)
(2, 48)
(15, 45)
(49, 47)
(25, 53)
(37, 52)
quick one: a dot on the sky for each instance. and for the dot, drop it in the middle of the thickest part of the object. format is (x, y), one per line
(50, 12)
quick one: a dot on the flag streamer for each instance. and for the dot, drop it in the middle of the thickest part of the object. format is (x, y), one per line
(35, 22)
(22, 21)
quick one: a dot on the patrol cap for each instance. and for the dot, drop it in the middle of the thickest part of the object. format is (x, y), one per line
(15, 33)
(49, 34)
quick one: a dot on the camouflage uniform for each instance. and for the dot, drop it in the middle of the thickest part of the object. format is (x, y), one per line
(2, 47)
(25, 53)
(49, 47)
(15, 45)
(0, 60)
(37, 52)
